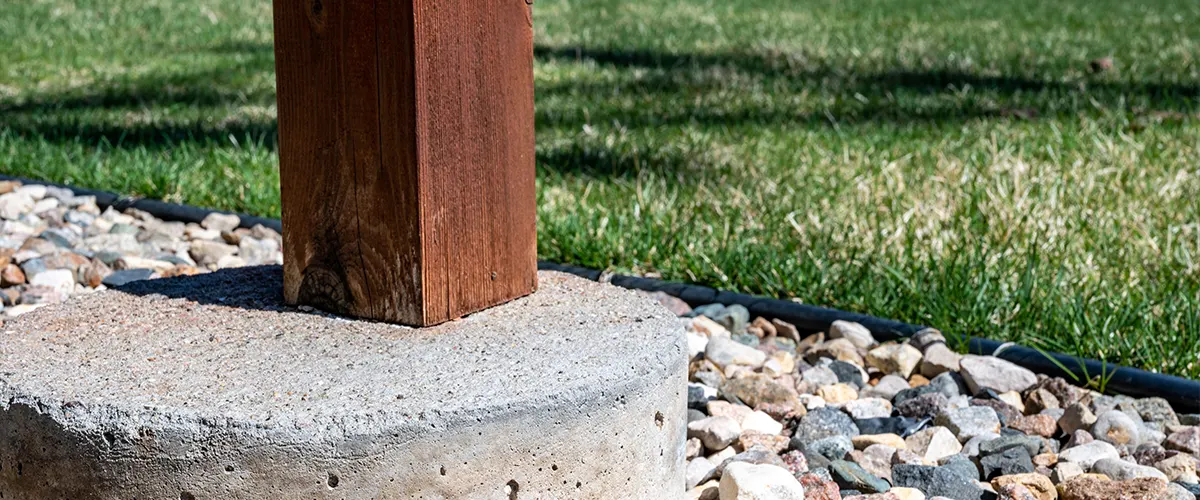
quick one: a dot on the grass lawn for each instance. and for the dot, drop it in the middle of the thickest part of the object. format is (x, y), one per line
(947, 163)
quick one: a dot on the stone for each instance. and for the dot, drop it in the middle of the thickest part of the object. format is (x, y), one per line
(1120, 470)
(709, 327)
(1015, 492)
(1013, 399)
(1086, 455)
(824, 422)
(971, 447)
(1008, 462)
(697, 343)
(743, 481)
(1046, 460)
(772, 442)
(937, 481)
(758, 456)
(832, 448)
(857, 334)
(887, 388)
(693, 448)
(913, 392)
(876, 459)
(1036, 425)
(230, 262)
(1186, 440)
(989, 372)
(818, 487)
(892, 440)
(725, 352)
(939, 359)
(785, 329)
(1076, 417)
(927, 338)
(289, 400)
(917, 380)
(210, 253)
(11, 275)
(734, 318)
(1003, 410)
(1040, 400)
(1176, 491)
(969, 422)
(1156, 410)
(1077, 438)
(901, 426)
(1038, 485)
(868, 408)
(1065, 471)
(837, 349)
(933, 443)
(1091, 488)
(1180, 468)
(819, 376)
(59, 280)
(795, 462)
(837, 394)
(907, 493)
(960, 464)
(121, 278)
(14, 205)
(755, 389)
(848, 373)
(895, 359)
(258, 252)
(923, 407)
(221, 222)
(759, 421)
(699, 470)
(1032, 445)
(716, 433)
(1115, 427)
(850, 476)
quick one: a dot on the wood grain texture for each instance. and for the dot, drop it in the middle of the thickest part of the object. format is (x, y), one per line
(406, 155)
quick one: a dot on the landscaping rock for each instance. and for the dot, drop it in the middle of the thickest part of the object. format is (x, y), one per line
(1086, 455)
(1120, 470)
(1090, 488)
(715, 433)
(937, 481)
(1008, 462)
(986, 372)
(743, 481)
(895, 359)
(967, 423)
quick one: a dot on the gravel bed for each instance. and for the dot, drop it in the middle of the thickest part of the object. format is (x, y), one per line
(54, 244)
(773, 415)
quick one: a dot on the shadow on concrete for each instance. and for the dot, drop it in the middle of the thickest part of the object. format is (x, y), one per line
(257, 287)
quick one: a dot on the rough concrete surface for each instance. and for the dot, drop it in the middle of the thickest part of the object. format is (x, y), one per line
(208, 387)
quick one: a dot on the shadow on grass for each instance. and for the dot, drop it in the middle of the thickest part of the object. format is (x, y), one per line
(102, 114)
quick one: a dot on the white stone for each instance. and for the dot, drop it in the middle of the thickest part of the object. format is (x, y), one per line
(14, 205)
(895, 359)
(760, 422)
(35, 191)
(887, 388)
(857, 334)
(1086, 455)
(994, 373)
(933, 444)
(1116, 427)
(746, 481)
(725, 352)
(62, 280)
(697, 343)
(699, 469)
(715, 433)
(939, 359)
(221, 222)
(709, 327)
(1120, 470)
(868, 408)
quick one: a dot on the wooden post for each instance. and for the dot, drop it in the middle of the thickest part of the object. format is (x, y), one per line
(406, 149)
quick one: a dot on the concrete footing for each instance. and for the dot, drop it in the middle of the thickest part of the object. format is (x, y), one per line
(208, 387)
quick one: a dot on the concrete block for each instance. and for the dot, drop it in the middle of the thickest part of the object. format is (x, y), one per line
(209, 387)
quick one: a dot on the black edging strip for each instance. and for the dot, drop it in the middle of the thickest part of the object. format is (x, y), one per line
(1183, 394)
